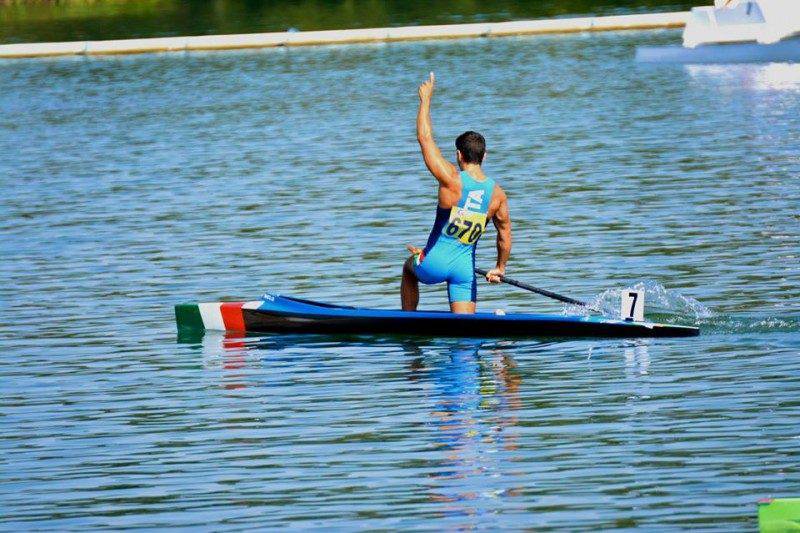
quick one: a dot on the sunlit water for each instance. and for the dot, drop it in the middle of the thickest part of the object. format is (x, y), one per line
(133, 183)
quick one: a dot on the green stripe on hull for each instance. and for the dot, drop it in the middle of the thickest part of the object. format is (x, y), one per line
(188, 317)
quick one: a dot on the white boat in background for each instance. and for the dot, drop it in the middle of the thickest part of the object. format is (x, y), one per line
(743, 21)
(735, 31)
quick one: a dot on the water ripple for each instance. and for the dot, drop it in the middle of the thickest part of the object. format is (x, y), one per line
(133, 183)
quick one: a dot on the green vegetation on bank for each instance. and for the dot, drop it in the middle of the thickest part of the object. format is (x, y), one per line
(75, 20)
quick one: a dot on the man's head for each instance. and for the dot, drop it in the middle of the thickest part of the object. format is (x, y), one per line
(471, 147)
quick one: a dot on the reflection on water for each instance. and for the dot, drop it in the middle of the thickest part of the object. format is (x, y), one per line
(475, 393)
(764, 77)
(471, 387)
(485, 429)
(637, 358)
(131, 184)
(234, 362)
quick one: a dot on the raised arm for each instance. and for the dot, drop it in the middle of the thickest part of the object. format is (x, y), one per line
(502, 221)
(442, 169)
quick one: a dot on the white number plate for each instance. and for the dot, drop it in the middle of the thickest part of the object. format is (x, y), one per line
(632, 305)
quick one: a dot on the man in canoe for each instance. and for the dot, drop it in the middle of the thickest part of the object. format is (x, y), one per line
(467, 200)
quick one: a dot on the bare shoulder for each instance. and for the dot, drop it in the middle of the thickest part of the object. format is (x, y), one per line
(454, 176)
(499, 204)
(450, 191)
(499, 195)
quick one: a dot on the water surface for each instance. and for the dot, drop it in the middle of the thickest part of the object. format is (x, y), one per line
(134, 183)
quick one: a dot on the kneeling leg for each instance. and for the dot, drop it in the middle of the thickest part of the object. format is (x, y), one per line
(409, 287)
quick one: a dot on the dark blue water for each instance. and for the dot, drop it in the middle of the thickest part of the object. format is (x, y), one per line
(134, 183)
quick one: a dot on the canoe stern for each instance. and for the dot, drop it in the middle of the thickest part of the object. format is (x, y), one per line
(216, 316)
(188, 318)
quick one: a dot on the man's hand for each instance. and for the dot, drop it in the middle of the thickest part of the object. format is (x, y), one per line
(443, 170)
(413, 249)
(493, 276)
(426, 89)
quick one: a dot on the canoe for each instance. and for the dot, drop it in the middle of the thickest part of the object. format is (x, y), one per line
(284, 314)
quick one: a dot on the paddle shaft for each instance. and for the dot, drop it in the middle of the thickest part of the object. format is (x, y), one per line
(537, 290)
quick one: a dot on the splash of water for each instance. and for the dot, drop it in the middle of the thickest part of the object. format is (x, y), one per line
(670, 306)
(750, 324)
(659, 301)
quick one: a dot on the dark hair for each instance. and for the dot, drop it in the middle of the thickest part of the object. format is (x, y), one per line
(472, 146)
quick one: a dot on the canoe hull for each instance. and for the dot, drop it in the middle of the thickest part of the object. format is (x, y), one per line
(289, 315)
(260, 321)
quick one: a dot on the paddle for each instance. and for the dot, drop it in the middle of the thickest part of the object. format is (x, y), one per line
(537, 290)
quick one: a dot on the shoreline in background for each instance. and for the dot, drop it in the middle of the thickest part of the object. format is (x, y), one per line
(44, 21)
(353, 36)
